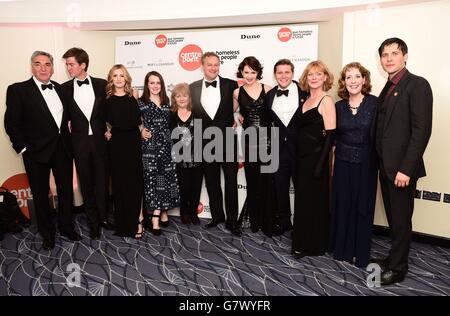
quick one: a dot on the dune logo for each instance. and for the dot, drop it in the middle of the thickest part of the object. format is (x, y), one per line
(243, 36)
(190, 57)
(160, 40)
(128, 43)
(284, 34)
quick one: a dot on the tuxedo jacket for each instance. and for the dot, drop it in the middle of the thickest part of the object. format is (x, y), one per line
(225, 114)
(80, 123)
(287, 135)
(29, 122)
(407, 127)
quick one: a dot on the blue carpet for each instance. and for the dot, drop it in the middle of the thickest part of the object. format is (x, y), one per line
(192, 261)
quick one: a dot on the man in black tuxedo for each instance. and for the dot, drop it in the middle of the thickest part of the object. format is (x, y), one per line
(87, 97)
(284, 100)
(402, 134)
(212, 102)
(36, 121)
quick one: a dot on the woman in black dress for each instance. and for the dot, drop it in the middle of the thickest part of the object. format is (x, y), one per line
(189, 171)
(316, 124)
(123, 118)
(160, 179)
(355, 168)
(250, 99)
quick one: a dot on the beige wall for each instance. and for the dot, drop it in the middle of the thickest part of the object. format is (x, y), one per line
(424, 27)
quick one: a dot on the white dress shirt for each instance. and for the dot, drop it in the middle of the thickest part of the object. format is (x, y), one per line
(53, 101)
(210, 98)
(285, 106)
(84, 96)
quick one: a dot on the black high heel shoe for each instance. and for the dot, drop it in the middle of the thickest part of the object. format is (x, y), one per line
(165, 223)
(139, 235)
(156, 231)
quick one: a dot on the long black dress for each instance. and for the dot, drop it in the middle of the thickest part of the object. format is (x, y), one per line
(354, 183)
(260, 199)
(311, 210)
(126, 165)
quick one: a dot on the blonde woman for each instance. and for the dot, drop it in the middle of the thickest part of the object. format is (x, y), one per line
(316, 121)
(124, 119)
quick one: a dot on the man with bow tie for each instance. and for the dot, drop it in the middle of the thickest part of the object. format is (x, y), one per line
(88, 126)
(284, 100)
(36, 121)
(212, 102)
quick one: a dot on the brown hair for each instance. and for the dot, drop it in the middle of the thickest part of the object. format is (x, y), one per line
(110, 89)
(80, 56)
(367, 86)
(283, 61)
(181, 88)
(253, 63)
(162, 94)
(209, 54)
(320, 65)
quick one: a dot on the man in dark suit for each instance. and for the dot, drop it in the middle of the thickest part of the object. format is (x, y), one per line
(284, 101)
(402, 134)
(212, 102)
(36, 121)
(88, 123)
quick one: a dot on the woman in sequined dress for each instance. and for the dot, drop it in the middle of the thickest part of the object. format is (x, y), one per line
(355, 168)
(250, 99)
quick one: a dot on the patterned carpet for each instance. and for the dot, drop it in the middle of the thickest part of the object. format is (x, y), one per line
(189, 260)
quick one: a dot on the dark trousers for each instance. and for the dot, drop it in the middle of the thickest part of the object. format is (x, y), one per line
(399, 206)
(282, 177)
(190, 182)
(211, 170)
(93, 174)
(38, 176)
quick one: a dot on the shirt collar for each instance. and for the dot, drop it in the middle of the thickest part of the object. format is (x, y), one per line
(398, 76)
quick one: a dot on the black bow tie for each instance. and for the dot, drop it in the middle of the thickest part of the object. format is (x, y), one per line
(281, 92)
(45, 86)
(213, 83)
(82, 82)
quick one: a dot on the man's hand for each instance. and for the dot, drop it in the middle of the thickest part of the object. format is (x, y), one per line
(401, 180)
(108, 135)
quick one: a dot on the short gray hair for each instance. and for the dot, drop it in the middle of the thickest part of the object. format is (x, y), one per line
(41, 53)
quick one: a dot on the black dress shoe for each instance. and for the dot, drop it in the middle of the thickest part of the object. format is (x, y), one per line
(48, 243)
(298, 254)
(213, 223)
(195, 220)
(185, 220)
(107, 225)
(382, 262)
(390, 277)
(1, 236)
(72, 235)
(94, 233)
(236, 231)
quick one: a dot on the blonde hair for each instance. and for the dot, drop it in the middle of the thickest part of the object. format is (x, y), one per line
(181, 88)
(320, 65)
(110, 89)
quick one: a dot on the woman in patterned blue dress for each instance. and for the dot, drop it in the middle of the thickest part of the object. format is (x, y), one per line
(160, 179)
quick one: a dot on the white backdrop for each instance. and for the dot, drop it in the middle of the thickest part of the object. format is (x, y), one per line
(177, 56)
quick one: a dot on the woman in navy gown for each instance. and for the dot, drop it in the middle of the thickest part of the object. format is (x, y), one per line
(355, 168)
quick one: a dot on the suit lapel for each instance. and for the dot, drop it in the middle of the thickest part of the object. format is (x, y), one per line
(393, 97)
(223, 89)
(35, 94)
(97, 94)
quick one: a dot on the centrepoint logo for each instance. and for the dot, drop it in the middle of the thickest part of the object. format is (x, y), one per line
(19, 186)
(284, 34)
(190, 57)
(160, 40)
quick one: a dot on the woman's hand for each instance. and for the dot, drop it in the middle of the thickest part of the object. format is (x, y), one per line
(146, 134)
